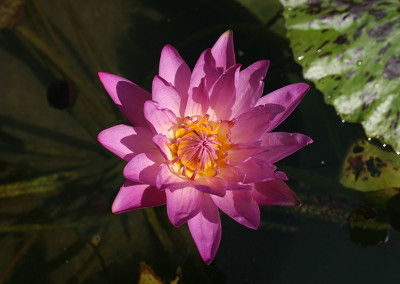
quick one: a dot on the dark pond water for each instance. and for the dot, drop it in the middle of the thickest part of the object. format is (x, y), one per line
(57, 183)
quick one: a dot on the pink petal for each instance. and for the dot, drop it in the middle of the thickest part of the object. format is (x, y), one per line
(182, 204)
(223, 93)
(162, 120)
(198, 101)
(144, 168)
(223, 51)
(242, 152)
(167, 179)
(206, 230)
(235, 178)
(133, 196)
(281, 145)
(240, 206)
(249, 126)
(128, 96)
(167, 96)
(162, 143)
(211, 185)
(257, 170)
(126, 141)
(274, 192)
(206, 70)
(288, 97)
(250, 87)
(174, 70)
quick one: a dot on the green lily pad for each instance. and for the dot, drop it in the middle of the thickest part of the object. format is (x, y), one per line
(350, 50)
(368, 167)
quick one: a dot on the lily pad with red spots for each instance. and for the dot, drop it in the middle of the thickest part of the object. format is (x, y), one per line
(368, 167)
(350, 50)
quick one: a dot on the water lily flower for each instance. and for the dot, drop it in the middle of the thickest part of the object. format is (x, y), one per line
(202, 142)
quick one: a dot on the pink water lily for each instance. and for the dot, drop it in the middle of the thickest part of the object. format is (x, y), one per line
(202, 142)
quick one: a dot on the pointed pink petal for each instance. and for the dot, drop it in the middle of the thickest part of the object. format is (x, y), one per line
(211, 185)
(250, 87)
(249, 126)
(126, 141)
(144, 168)
(288, 97)
(166, 95)
(162, 120)
(274, 192)
(240, 206)
(234, 177)
(182, 204)
(167, 179)
(133, 196)
(162, 143)
(206, 70)
(223, 51)
(223, 93)
(257, 170)
(174, 70)
(242, 152)
(206, 230)
(128, 96)
(198, 101)
(281, 145)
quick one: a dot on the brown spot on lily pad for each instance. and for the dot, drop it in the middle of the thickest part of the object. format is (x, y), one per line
(325, 54)
(374, 166)
(378, 14)
(392, 68)
(384, 49)
(323, 44)
(357, 34)
(358, 149)
(342, 39)
(350, 74)
(308, 49)
(370, 79)
(355, 166)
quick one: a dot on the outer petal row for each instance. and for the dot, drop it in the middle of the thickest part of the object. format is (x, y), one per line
(250, 87)
(274, 192)
(162, 120)
(288, 97)
(136, 196)
(167, 96)
(240, 206)
(205, 228)
(249, 126)
(127, 141)
(223, 51)
(279, 145)
(144, 168)
(128, 96)
(174, 70)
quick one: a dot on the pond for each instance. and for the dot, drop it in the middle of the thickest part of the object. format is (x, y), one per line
(59, 179)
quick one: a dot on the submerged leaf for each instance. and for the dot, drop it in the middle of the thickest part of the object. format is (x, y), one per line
(38, 185)
(365, 227)
(349, 50)
(368, 167)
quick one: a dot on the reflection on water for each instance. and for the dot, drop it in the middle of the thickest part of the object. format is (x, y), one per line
(57, 184)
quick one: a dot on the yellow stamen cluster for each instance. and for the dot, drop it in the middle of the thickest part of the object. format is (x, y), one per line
(200, 147)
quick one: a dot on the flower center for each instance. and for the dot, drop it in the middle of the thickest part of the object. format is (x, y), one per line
(201, 146)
